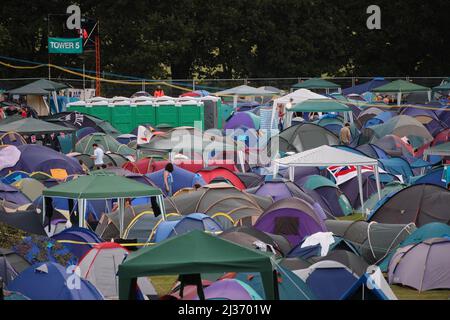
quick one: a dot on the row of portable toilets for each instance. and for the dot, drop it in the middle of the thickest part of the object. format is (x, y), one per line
(126, 114)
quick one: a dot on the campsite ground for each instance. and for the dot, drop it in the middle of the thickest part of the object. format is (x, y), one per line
(163, 284)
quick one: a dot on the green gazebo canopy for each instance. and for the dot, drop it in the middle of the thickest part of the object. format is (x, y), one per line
(194, 253)
(101, 187)
(320, 105)
(316, 83)
(40, 87)
(400, 86)
(33, 126)
(442, 87)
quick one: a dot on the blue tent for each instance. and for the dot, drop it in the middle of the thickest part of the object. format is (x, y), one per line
(397, 166)
(365, 288)
(331, 282)
(93, 207)
(82, 235)
(14, 177)
(51, 281)
(290, 286)
(194, 221)
(380, 119)
(428, 231)
(366, 87)
(432, 177)
(13, 195)
(181, 179)
(314, 251)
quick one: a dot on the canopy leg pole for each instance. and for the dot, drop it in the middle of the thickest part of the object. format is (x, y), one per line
(81, 212)
(275, 170)
(292, 174)
(121, 215)
(377, 177)
(43, 211)
(360, 184)
(241, 160)
(160, 201)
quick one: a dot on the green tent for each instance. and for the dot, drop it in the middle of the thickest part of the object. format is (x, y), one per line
(320, 105)
(442, 150)
(33, 126)
(389, 188)
(315, 181)
(403, 126)
(316, 83)
(106, 142)
(401, 86)
(101, 187)
(195, 253)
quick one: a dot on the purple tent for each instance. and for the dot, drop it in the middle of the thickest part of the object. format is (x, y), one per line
(423, 266)
(13, 195)
(301, 172)
(181, 179)
(85, 240)
(230, 289)
(35, 158)
(279, 190)
(292, 218)
(351, 189)
(11, 138)
(244, 119)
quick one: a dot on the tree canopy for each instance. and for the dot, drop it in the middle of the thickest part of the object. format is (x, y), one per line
(239, 38)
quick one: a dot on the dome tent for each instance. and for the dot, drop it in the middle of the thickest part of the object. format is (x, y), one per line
(423, 266)
(99, 266)
(193, 221)
(49, 281)
(419, 204)
(104, 141)
(293, 218)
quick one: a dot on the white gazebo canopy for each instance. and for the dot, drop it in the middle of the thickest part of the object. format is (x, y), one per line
(245, 91)
(326, 156)
(294, 98)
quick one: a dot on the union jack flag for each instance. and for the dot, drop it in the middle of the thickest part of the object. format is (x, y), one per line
(343, 174)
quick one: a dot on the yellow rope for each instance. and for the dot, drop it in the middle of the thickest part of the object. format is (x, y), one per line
(135, 83)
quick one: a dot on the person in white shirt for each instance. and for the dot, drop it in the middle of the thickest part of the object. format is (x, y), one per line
(98, 156)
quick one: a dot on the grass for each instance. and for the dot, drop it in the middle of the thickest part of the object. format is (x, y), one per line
(404, 293)
(163, 284)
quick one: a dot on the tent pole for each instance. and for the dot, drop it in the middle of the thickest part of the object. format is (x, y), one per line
(377, 177)
(399, 98)
(121, 215)
(360, 184)
(235, 101)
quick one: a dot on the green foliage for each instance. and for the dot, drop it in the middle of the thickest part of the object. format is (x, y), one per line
(239, 38)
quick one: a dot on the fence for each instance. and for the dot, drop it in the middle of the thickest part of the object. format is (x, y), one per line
(177, 87)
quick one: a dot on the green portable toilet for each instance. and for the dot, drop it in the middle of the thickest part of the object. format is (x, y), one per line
(101, 110)
(79, 106)
(167, 113)
(145, 112)
(190, 111)
(123, 116)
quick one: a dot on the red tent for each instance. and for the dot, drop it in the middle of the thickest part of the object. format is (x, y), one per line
(209, 174)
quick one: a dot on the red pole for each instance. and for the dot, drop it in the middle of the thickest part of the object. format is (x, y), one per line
(97, 66)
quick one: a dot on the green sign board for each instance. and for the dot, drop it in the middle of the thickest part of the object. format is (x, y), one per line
(65, 45)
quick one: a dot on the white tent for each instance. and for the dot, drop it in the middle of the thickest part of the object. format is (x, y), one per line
(326, 156)
(295, 97)
(245, 91)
